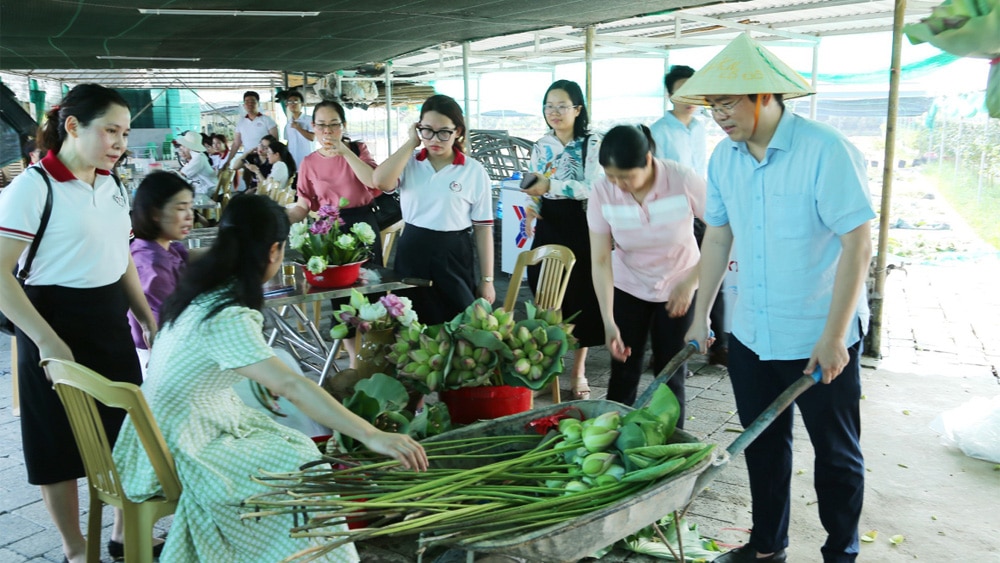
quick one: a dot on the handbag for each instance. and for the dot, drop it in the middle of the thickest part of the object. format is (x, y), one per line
(6, 326)
(387, 209)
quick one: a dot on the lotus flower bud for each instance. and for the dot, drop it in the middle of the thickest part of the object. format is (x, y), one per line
(597, 463)
(615, 470)
(338, 332)
(576, 456)
(609, 420)
(433, 380)
(604, 480)
(598, 439)
(571, 429)
(575, 486)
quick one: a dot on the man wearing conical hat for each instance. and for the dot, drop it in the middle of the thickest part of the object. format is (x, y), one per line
(791, 195)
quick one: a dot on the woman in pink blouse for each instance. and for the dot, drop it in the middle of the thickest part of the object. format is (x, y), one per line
(643, 209)
(339, 168)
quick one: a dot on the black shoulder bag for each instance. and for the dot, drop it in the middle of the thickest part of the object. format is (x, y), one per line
(386, 206)
(6, 326)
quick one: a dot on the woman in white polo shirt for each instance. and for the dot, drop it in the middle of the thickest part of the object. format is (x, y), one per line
(643, 208)
(82, 283)
(197, 167)
(445, 197)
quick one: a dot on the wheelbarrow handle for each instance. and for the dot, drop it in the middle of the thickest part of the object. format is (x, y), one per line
(668, 370)
(757, 427)
(778, 406)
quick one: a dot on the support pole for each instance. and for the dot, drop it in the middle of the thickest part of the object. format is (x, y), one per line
(388, 106)
(666, 95)
(814, 102)
(589, 63)
(875, 345)
(466, 47)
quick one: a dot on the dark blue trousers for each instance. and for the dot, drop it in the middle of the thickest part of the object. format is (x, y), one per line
(832, 417)
(638, 320)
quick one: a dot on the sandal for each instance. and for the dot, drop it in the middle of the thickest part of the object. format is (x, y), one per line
(581, 389)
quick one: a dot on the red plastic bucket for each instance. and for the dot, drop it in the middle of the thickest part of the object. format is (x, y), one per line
(470, 404)
(334, 276)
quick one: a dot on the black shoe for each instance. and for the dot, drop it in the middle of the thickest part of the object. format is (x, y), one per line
(116, 550)
(746, 554)
(718, 357)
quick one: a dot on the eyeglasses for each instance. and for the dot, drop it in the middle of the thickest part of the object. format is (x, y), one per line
(442, 134)
(549, 108)
(293, 103)
(328, 126)
(724, 109)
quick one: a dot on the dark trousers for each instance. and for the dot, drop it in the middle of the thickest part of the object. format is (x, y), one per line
(832, 417)
(637, 319)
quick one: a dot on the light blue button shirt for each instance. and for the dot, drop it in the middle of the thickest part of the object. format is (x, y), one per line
(683, 143)
(787, 213)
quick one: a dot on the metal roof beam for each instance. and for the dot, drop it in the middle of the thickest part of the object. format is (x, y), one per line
(811, 39)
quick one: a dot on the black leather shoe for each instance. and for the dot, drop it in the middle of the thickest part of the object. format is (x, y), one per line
(116, 550)
(746, 554)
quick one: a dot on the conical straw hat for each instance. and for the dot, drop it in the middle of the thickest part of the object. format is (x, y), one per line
(743, 67)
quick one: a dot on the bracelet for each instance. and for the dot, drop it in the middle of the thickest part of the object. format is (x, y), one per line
(488, 279)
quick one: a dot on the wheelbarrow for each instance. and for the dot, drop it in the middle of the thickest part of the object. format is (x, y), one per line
(576, 538)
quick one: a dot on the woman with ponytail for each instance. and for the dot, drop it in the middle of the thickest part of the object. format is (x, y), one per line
(643, 209)
(212, 338)
(81, 285)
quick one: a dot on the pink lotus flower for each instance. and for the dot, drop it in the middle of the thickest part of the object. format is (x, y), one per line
(392, 304)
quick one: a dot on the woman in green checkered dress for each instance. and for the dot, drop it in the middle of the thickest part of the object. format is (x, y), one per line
(212, 338)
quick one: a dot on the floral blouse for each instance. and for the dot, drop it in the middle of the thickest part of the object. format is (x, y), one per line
(569, 176)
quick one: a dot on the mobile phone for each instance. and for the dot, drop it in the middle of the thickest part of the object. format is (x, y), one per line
(528, 181)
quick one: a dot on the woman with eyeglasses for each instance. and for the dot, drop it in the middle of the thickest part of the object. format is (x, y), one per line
(564, 163)
(643, 209)
(339, 168)
(445, 197)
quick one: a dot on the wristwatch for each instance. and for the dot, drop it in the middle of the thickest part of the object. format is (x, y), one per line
(488, 279)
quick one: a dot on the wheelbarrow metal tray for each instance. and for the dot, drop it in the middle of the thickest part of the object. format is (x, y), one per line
(574, 539)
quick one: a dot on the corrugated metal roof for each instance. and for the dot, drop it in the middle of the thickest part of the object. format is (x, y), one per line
(423, 39)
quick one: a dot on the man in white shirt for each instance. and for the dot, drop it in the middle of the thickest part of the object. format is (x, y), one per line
(252, 127)
(298, 131)
(679, 135)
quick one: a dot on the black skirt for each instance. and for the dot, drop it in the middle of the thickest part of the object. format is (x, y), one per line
(564, 221)
(93, 323)
(352, 215)
(445, 258)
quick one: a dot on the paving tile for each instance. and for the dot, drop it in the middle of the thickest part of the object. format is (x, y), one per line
(16, 527)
